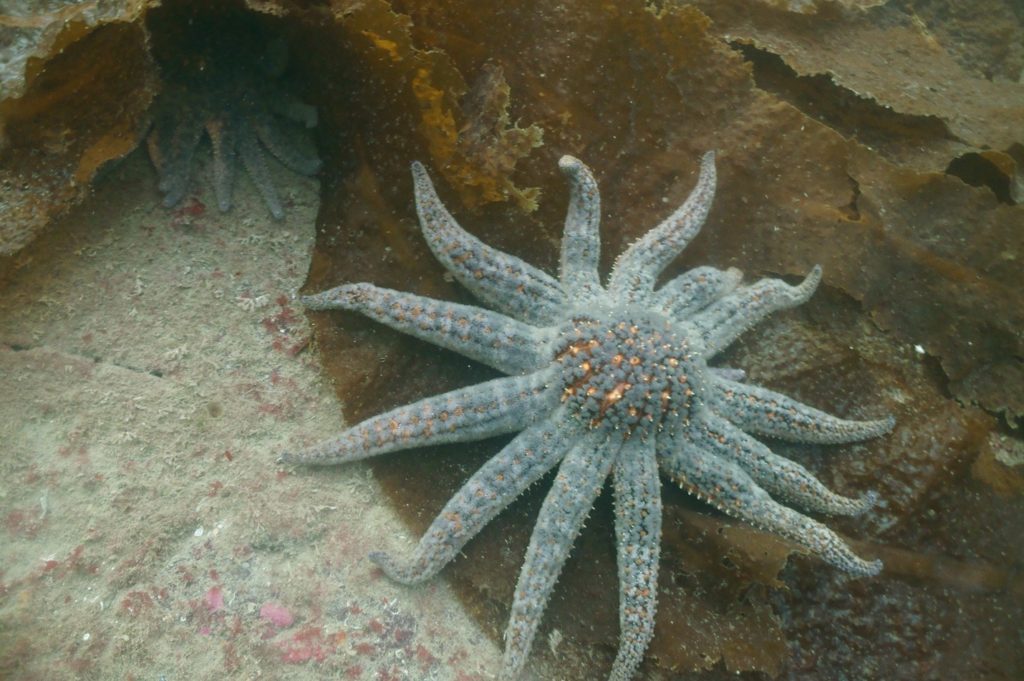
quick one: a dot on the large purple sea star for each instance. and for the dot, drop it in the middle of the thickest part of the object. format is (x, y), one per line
(604, 379)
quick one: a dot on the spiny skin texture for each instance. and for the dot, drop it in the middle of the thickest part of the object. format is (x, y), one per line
(244, 114)
(603, 380)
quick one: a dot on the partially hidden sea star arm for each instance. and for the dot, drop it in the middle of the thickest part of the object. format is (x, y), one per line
(289, 106)
(276, 140)
(728, 488)
(694, 290)
(503, 405)
(765, 412)
(729, 373)
(581, 243)
(636, 270)
(494, 486)
(506, 282)
(256, 165)
(725, 320)
(780, 476)
(222, 139)
(489, 337)
(172, 146)
(578, 482)
(638, 514)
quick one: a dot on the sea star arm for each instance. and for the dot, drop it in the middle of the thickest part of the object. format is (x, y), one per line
(636, 270)
(256, 166)
(504, 281)
(777, 474)
(581, 244)
(289, 106)
(287, 151)
(765, 412)
(493, 487)
(484, 410)
(172, 145)
(489, 337)
(638, 539)
(222, 140)
(729, 373)
(725, 320)
(726, 486)
(696, 289)
(579, 480)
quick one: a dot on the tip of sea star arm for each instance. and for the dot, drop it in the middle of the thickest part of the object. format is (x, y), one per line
(570, 165)
(325, 453)
(846, 505)
(730, 374)
(813, 276)
(864, 430)
(397, 571)
(869, 569)
(835, 551)
(731, 280)
(828, 546)
(331, 299)
(420, 177)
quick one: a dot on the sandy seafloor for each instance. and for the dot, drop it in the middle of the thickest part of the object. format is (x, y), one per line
(152, 364)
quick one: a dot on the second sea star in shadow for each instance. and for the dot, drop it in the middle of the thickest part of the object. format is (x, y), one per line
(233, 95)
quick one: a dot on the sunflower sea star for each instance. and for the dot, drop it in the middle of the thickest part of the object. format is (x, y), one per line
(243, 111)
(603, 380)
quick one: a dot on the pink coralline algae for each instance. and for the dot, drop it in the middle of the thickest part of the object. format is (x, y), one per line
(276, 614)
(214, 599)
